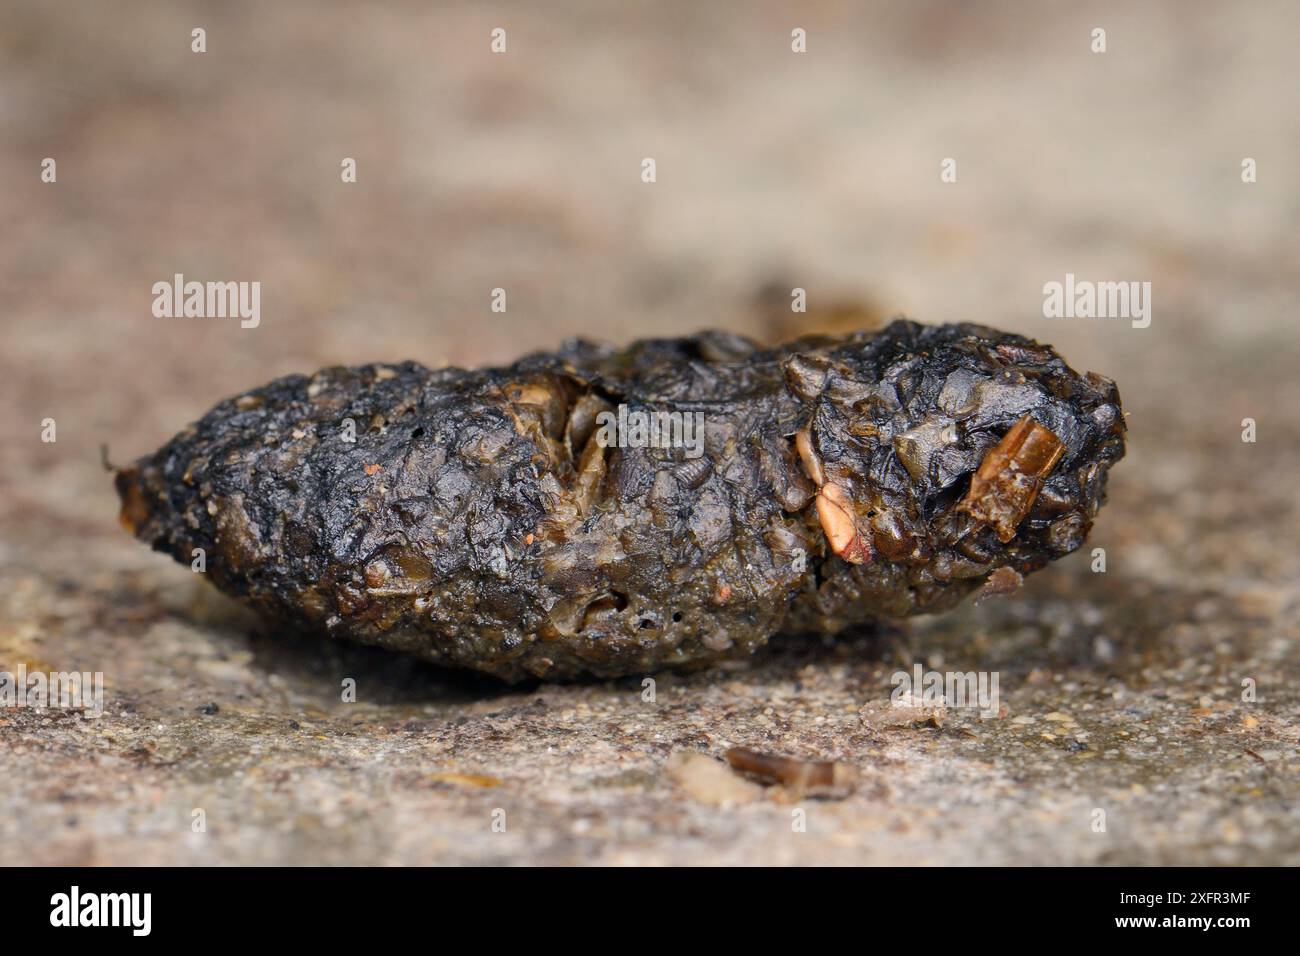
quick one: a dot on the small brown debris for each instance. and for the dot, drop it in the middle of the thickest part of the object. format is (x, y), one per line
(835, 512)
(373, 469)
(465, 779)
(591, 472)
(1004, 487)
(812, 464)
(135, 510)
(1001, 581)
(799, 776)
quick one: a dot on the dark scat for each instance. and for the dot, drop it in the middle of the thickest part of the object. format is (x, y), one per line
(476, 522)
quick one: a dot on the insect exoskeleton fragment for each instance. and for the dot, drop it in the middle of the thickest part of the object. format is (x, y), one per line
(846, 535)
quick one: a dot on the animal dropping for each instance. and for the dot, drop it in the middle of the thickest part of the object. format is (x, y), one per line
(486, 519)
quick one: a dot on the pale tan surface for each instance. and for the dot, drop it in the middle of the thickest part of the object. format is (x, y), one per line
(521, 171)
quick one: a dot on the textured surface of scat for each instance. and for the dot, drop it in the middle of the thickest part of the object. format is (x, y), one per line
(473, 522)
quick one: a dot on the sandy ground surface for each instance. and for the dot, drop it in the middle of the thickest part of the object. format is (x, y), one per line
(1122, 691)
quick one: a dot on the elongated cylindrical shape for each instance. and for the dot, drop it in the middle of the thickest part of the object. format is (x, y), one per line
(609, 512)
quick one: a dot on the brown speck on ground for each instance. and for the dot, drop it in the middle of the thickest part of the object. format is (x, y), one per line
(1162, 689)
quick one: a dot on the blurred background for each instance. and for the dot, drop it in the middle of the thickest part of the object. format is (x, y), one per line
(775, 169)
